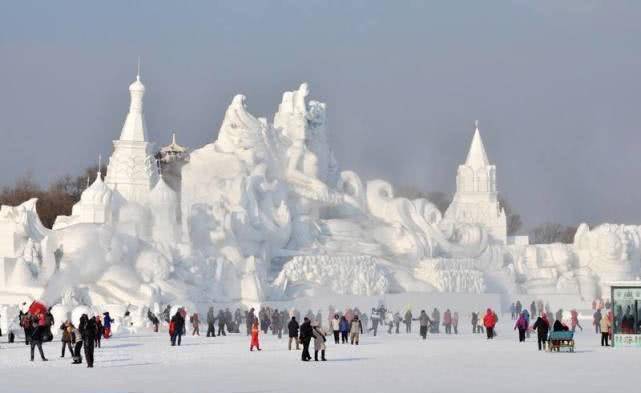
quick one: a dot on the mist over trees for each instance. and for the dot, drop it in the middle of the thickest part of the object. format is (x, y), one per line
(552, 233)
(56, 199)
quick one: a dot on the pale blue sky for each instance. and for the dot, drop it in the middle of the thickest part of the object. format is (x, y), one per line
(555, 85)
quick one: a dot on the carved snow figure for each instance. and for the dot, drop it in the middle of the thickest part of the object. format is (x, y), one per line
(611, 252)
(132, 169)
(264, 212)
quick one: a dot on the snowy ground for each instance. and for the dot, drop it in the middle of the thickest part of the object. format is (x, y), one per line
(403, 363)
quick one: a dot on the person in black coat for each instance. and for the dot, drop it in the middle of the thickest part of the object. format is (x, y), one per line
(542, 327)
(88, 331)
(292, 327)
(179, 325)
(211, 319)
(306, 334)
(559, 327)
(37, 337)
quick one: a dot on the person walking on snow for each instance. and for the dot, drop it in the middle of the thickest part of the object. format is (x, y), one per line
(99, 329)
(67, 337)
(424, 324)
(397, 322)
(211, 319)
(77, 355)
(355, 329)
(475, 322)
(375, 318)
(574, 320)
(319, 341)
(221, 323)
(106, 325)
(605, 325)
(195, 324)
(335, 324)
(306, 335)
(292, 328)
(343, 326)
(37, 335)
(455, 322)
(436, 321)
(88, 331)
(408, 321)
(254, 335)
(522, 326)
(542, 327)
(447, 321)
(489, 321)
(597, 321)
(176, 327)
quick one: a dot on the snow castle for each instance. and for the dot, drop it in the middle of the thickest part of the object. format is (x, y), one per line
(265, 212)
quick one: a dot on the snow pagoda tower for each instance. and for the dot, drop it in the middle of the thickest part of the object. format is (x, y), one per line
(132, 170)
(476, 198)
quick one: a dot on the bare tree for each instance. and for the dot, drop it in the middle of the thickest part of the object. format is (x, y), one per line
(56, 200)
(514, 222)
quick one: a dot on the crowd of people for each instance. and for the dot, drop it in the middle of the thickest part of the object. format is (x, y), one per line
(38, 322)
(603, 321)
(345, 326)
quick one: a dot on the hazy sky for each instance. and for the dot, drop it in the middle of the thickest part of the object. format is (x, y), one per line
(555, 85)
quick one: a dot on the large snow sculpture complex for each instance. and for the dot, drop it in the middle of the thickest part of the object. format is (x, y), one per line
(264, 212)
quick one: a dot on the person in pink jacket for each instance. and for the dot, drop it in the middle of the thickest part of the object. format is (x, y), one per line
(447, 321)
(574, 320)
(522, 325)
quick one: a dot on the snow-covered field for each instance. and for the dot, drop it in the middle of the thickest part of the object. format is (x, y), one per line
(399, 363)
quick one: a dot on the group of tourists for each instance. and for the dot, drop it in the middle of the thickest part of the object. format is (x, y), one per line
(603, 320)
(38, 321)
(345, 326)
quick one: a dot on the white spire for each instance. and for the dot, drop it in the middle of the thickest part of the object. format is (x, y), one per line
(476, 157)
(134, 128)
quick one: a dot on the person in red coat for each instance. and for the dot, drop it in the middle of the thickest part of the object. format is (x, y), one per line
(254, 335)
(489, 321)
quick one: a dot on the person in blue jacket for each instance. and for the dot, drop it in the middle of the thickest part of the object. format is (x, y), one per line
(343, 326)
(106, 325)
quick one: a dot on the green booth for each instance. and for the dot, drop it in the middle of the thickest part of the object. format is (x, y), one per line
(626, 311)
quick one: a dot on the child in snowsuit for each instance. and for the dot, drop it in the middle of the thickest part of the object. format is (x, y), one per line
(254, 335)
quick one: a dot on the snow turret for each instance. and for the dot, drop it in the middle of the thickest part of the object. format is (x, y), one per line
(476, 198)
(98, 193)
(95, 203)
(132, 170)
(476, 156)
(134, 128)
(163, 205)
(162, 195)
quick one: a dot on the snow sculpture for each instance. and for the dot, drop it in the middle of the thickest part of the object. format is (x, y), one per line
(132, 169)
(163, 202)
(340, 274)
(611, 252)
(234, 207)
(264, 212)
(94, 206)
(476, 199)
(21, 238)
